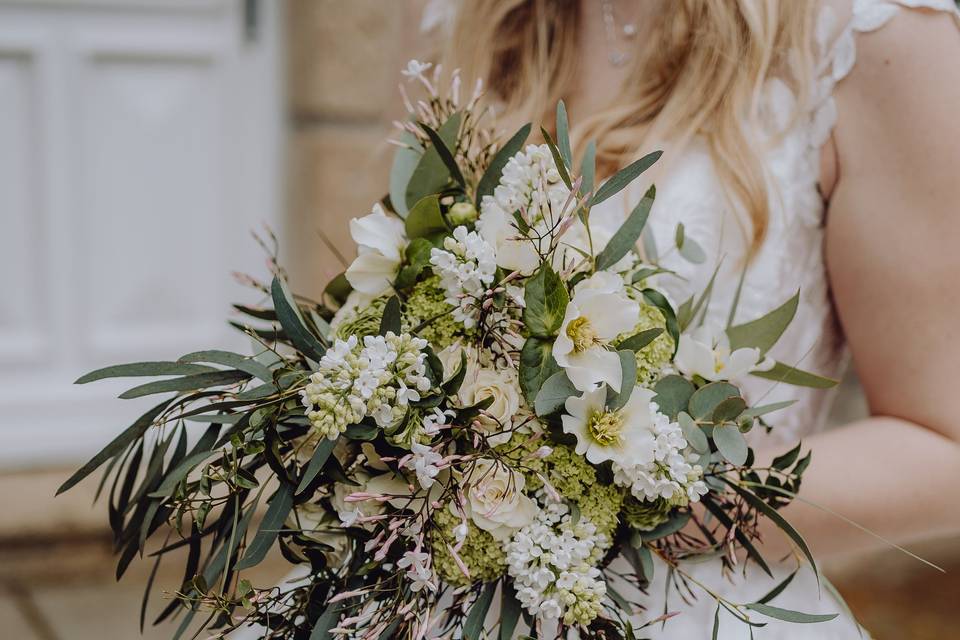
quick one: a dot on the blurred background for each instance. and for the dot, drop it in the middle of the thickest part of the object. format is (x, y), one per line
(140, 143)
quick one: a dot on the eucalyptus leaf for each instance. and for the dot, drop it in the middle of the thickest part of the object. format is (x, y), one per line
(554, 393)
(730, 443)
(692, 251)
(545, 300)
(629, 232)
(491, 177)
(777, 590)
(425, 219)
(693, 433)
(707, 397)
(628, 368)
(728, 410)
(338, 289)
(756, 412)
(625, 176)
(676, 522)
(673, 394)
(509, 610)
(764, 332)
(405, 160)
(658, 300)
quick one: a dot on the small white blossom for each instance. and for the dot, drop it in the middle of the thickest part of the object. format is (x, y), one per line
(416, 69)
(553, 563)
(466, 266)
(423, 462)
(417, 564)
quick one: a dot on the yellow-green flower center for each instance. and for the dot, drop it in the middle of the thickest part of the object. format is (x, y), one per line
(581, 332)
(605, 427)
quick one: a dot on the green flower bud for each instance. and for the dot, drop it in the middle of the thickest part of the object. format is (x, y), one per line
(462, 213)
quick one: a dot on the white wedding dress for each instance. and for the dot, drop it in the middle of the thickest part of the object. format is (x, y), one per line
(791, 258)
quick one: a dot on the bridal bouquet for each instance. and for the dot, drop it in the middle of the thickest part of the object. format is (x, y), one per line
(490, 426)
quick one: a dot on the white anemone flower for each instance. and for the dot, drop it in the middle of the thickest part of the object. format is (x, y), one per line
(599, 312)
(707, 354)
(625, 436)
(381, 240)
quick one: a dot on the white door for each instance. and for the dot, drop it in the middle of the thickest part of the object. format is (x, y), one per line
(140, 142)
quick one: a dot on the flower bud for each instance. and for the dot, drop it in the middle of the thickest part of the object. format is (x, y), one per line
(462, 213)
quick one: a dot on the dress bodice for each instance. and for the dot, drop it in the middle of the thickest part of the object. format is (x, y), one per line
(791, 257)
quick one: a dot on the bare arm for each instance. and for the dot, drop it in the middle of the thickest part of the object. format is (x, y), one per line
(893, 251)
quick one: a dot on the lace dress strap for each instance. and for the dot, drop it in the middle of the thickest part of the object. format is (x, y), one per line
(838, 50)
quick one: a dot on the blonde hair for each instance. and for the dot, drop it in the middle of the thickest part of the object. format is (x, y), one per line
(700, 73)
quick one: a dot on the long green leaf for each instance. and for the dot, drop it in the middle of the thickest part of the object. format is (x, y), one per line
(563, 134)
(788, 615)
(624, 177)
(764, 332)
(292, 322)
(431, 175)
(117, 445)
(658, 300)
(509, 610)
(491, 177)
(638, 341)
(536, 365)
(273, 520)
(588, 167)
(405, 161)
(446, 155)
(557, 158)
(777, 590)
(754, 501)
(730, 443)
(142, 369)
(391, 317)
(319, 458)
(629, 232)
(233, 360)
(473, 627)
(187, 383)
(790, 375)
(326, 621)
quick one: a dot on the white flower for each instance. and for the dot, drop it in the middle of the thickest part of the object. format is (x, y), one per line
(381, 240)
(416, 69)
(496, 501)
(423, 462)
(417, 564)
(707, 354)
(531, 186)
(619, 435)
(436, 419)
(466, 266)
(599, 311)
(553, 563)
(350, 512)
(502, 387)
(673, 473)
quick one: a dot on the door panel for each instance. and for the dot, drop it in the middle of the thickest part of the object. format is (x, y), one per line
(139, 144)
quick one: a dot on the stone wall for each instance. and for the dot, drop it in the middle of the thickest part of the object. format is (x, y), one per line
(344, 58)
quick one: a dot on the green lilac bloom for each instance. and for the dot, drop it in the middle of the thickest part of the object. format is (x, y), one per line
(483, 556)
(427, 301)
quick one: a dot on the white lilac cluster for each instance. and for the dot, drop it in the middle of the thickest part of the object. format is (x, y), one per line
(378, 379)
(672, 474)
(531, 187)
(553, 564)
(466, 266)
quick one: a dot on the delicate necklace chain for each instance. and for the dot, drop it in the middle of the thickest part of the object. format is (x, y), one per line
(616, 57)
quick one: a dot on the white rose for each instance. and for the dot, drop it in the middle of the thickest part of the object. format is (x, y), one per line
(495, 500)
(502, 388)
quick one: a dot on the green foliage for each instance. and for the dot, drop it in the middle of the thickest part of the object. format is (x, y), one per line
(431, 174)
(425, 219)
(492, 175)
(624, 177)
(764, 332)
(545, 298)
(536, 365)
(629, 232)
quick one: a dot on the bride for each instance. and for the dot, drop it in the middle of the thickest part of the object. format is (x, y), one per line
(808, 145)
